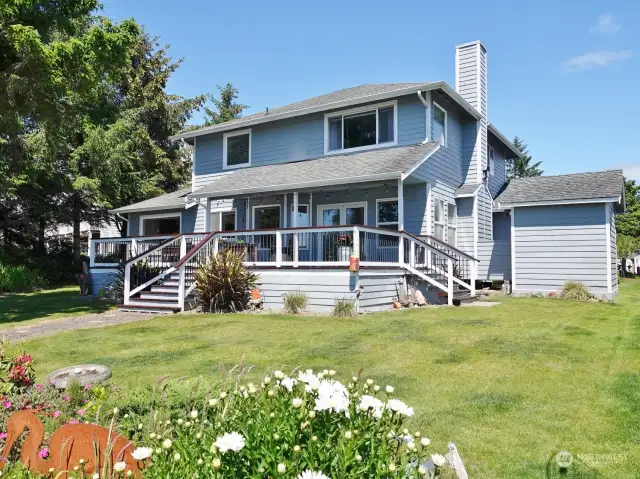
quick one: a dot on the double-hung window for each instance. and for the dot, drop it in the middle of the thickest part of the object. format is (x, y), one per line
(439, 124)
(361, 128)
(439, 221)
(452, 224)
(492, 154)
(236, 149)
(387, 218)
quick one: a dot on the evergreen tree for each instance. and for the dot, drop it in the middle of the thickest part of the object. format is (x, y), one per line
(628, 223)
(226, 107)
(522, 167)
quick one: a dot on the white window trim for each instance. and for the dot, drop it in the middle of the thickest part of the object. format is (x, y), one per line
(443, 141)
(443, 223)
(453, 226)
(156, 217)
(225, 166)
(253, 213)
(343, 210)
(492, 160)
(233, 210)
(361, 109)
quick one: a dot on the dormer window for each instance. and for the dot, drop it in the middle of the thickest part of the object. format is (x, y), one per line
(236, 149)
(361, 128)
(439, 124)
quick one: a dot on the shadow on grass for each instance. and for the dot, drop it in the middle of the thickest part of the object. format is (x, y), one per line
(17, 308)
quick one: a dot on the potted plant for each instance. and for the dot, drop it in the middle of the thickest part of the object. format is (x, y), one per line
(345, 247)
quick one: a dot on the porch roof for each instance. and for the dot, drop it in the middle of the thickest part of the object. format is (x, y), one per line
(168, 201)
(467, 191)
(371, 165)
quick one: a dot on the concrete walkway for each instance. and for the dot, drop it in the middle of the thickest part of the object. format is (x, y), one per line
(85, 321)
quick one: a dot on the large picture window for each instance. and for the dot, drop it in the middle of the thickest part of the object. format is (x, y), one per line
(452, 224)
(361, 128)
(236, 150)
(266, 217)
(160, 224)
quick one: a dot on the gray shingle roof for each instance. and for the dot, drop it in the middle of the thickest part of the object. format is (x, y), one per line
(177, 199)
(577, 186)
(466, 190)
(371, 165)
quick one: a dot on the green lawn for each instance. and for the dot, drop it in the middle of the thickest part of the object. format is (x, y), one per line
(511, 385)
(22, 309)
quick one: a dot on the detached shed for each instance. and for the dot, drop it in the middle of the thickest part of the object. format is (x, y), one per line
(563, 229)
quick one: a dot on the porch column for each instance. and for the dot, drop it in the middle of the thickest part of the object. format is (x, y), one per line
(294, 224)
(286, 211)
(400, 206)
(207, 217)
(247, 215)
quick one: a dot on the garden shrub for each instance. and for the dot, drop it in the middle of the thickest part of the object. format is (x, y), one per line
(224, 284)
(295, 302)
(19, 279)
(115, 289)
(575, 290)
(17, 369)
(344, 307)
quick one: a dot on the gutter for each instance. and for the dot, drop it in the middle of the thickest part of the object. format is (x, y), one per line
(243, 123)
(504, 140)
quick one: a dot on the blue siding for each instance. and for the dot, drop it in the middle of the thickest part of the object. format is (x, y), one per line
(501, 226)
(301, 138)
(465, 225)
(499, 177)
(555, 244)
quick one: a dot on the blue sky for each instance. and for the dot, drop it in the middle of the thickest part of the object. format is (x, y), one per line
(562, 77)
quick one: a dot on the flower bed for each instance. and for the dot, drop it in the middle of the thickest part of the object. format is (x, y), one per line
(303, 425)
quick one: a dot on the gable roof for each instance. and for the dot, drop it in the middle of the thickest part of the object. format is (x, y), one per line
(500, 137)
(604, 186)
(337, 99)
(168, 201)
(372, 165)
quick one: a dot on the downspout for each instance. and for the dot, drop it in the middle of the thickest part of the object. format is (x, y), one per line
(427, 131)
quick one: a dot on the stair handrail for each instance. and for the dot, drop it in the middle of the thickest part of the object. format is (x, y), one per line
(446, 245)
(181, 266)
(128, 292)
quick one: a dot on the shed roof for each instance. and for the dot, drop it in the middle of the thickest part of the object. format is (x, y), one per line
(372, 165)
(466, 191)
(573, 188)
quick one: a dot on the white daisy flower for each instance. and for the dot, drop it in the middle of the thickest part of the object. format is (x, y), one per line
(119, 466)
(399, 407)
(230, 442)
(297, 402)
(288, 383)
(142, 453)
(438, 460)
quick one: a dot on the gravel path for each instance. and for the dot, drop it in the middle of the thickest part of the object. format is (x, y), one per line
(86, 321)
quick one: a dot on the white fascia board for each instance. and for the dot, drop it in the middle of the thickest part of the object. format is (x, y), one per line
(495, 132)
(293, 186)
(151, 208)
(559, 202)
(440, 85)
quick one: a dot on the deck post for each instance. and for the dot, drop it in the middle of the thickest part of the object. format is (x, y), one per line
(474, 276)
(278, 249)
(450, 281)
(207, 218)
(356, 241)
(412, 254)
(183, 246)
(216, 245)
(127, 283)
(401, 249)
(181, 287)
(92, 253)
(294, 224)
(134, 247)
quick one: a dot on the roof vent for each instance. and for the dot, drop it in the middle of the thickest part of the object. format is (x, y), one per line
(266, 111)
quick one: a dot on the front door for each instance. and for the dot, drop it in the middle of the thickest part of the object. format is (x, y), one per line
(335, 246)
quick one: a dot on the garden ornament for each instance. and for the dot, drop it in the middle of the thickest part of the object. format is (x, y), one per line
(70, 445)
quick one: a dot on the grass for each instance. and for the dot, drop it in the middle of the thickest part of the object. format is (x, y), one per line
(22, 309)
(510, 385)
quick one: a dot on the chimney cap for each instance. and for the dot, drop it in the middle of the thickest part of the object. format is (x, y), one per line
(470, 44)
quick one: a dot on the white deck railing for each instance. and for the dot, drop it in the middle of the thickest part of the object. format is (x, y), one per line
(300, 247)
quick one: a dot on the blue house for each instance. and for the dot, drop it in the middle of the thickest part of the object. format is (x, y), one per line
(408, 177)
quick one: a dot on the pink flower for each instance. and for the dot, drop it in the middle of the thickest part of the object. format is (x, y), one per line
(44, 453)
(56, 413)
(81, 412)
(3, 435)
(66, 398)
(52, 382)
(38, 387)
(73, 421)
(87, 387)
(7, 404)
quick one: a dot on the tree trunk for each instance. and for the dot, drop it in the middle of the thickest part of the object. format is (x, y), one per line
(41, 247)
(5, 228)
(76, 229)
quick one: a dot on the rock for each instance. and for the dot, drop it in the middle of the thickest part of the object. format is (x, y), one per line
(419, 298)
